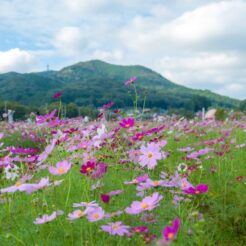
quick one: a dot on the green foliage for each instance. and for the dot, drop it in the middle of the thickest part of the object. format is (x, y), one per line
(242, 106)
(220, 114)
(21, 111)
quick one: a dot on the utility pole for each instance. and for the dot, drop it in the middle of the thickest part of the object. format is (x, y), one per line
(203, 114)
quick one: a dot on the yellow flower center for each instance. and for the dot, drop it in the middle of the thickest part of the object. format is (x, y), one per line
(96, 216)
(80, 213)
(140, 136)
(147, 239)
(155, 182)
(145, 206)
(197, 192)
(127, 125)
(61, 170)
(149, 218)
(88, 169)
(18, 183)
(115, 226)
(149, 155)
(170, 235)
(137, 230)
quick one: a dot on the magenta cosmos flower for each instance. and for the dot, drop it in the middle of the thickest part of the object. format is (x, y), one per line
(88, 168)
(140, 229)
(45, 218)
(138, 136)
(108, 105)
(127, 123)
(130, 81)
(147, 204)
(61, 168)
(201, 188)
(149, 155)
(116, 228)
(57, 95)
(170, 232)
(106, 197)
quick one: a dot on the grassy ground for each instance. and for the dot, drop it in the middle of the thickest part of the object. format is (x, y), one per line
(223, 206)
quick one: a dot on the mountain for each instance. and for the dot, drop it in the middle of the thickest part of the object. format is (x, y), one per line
(97, 82)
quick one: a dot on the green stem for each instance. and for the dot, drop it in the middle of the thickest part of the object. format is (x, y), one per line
(69, 189)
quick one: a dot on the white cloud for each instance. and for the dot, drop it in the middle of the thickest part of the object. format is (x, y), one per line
(197, 43)
(110, 56)
(85, 6)
(217, 24)
(70, 41)
(16, 60)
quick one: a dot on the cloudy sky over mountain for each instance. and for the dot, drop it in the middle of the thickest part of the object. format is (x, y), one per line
(196, 43)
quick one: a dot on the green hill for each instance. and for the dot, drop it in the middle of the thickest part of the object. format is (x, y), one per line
(97, 82)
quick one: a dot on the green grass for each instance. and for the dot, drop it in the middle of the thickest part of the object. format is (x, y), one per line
(223, 206)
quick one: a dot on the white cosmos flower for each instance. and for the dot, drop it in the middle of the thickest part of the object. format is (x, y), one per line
(11, 172)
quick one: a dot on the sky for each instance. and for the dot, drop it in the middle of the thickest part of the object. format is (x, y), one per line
(197, 43)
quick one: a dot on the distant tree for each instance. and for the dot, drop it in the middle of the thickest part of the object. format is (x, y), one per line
(220, 114)
(242, 106)
(72, 110)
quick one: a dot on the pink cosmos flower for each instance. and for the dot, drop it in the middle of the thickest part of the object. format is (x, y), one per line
(27, 187)
(130, 81)
(170, 232)
(108, 105)
(113, 214)
(96, 214)
(147, 204)
(49, 148)
(45, 218)
(40, 119)
(187, 149)
(201, 188)
(88, 156)
(76, 214)
(61, 168)
(149, 155)
(184, 184)
(116, 228)
(55, 122)
(127, 123)
(92, 204)
(134, 155)
(155, 183)
(100, 170)
(138, 179)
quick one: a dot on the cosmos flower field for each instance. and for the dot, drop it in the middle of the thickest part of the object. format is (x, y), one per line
(132, 182)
